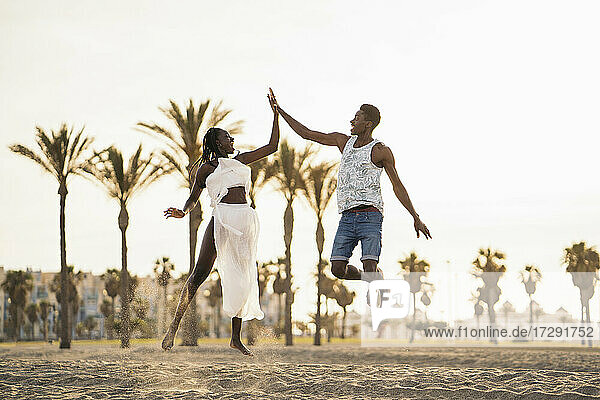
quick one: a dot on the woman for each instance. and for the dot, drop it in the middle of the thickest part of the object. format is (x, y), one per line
(231, 235)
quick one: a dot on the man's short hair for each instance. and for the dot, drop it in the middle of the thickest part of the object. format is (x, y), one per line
(371, 114)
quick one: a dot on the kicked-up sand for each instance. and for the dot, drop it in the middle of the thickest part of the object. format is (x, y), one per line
(333, 371)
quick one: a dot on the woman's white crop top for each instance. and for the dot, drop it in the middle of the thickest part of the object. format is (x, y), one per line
(229, 173)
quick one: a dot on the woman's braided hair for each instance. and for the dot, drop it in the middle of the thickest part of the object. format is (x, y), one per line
(210, 151)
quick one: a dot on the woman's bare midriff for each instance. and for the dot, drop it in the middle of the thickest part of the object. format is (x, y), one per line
(235, 195)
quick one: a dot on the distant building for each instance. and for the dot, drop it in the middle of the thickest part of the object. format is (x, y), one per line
(92, 294)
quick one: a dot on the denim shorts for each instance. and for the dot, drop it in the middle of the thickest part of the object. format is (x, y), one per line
(360, 226)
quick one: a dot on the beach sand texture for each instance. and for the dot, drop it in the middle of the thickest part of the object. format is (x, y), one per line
(335, 371)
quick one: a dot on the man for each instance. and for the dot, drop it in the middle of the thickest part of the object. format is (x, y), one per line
(359, 191)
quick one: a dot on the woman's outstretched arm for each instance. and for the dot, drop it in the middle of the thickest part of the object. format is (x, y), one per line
(199, 184)
(271, 147)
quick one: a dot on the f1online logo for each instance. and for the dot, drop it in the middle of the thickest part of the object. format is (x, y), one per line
(389, 299)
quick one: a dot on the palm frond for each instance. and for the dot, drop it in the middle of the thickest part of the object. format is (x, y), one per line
(185, 146)
(50, 149)
(176, 166)
(75, 166)
(156, 172)
(168, 138)
(121, 183)
(59, 155)
(26, 152)
(319, 185)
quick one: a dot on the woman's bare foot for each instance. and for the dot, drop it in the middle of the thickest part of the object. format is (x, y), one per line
(167, 343)
(237, 344)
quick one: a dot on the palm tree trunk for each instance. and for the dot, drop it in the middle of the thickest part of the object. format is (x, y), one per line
(214, 320)
(319, 236)
(190, 333)
(123, 224)
(587, 319)
(65, 307)
(343, 335)
(530, 310)
(45, 330)
(111, 319)
(18, 325)
(414, 321)
(279, 309)
(288, 223)
(492, 316)
(317, 339)
(164, 316)
(582, 316)
(13, 320)
(218, 320)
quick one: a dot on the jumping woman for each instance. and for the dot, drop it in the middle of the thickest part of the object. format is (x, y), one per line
(231, 236)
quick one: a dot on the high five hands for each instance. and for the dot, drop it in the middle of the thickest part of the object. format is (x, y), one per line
(273, 102)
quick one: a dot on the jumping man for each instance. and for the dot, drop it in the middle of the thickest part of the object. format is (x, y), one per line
(359, 190)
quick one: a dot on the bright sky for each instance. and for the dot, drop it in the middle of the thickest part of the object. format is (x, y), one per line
(491, 109)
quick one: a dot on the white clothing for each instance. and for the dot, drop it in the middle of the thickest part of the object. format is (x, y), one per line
(236, 230)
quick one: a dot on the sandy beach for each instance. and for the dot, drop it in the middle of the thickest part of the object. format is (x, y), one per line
(334, 371)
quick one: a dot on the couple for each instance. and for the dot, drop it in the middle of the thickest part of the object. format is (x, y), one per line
(231, 236)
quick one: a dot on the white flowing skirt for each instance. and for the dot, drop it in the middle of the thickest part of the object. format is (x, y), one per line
(236, 237)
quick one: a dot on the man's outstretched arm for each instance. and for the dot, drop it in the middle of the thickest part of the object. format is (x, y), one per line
(328, 139)
(384, 155)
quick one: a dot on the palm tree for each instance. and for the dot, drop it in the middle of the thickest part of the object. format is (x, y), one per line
(328, 289)
(214, 293)
(279, 289)
(507, 308)
(72, 298)
(32, 311)
(530, 276)
(302, 326)
(112, 286)
(140, 305)
(288, 169)
(427, 291)
(121, 183)
(62, 155)
(265, 274)
(44, 313)
(414, 270)
(89, 324)
(583, 264)
(163, 268)
(258, 178)
(488, 268)
(17, 284)
(477, 307)
(329, 321)
(184, 149)
(538, 311)
(318, 188)
(107, 310)
(344, 298)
